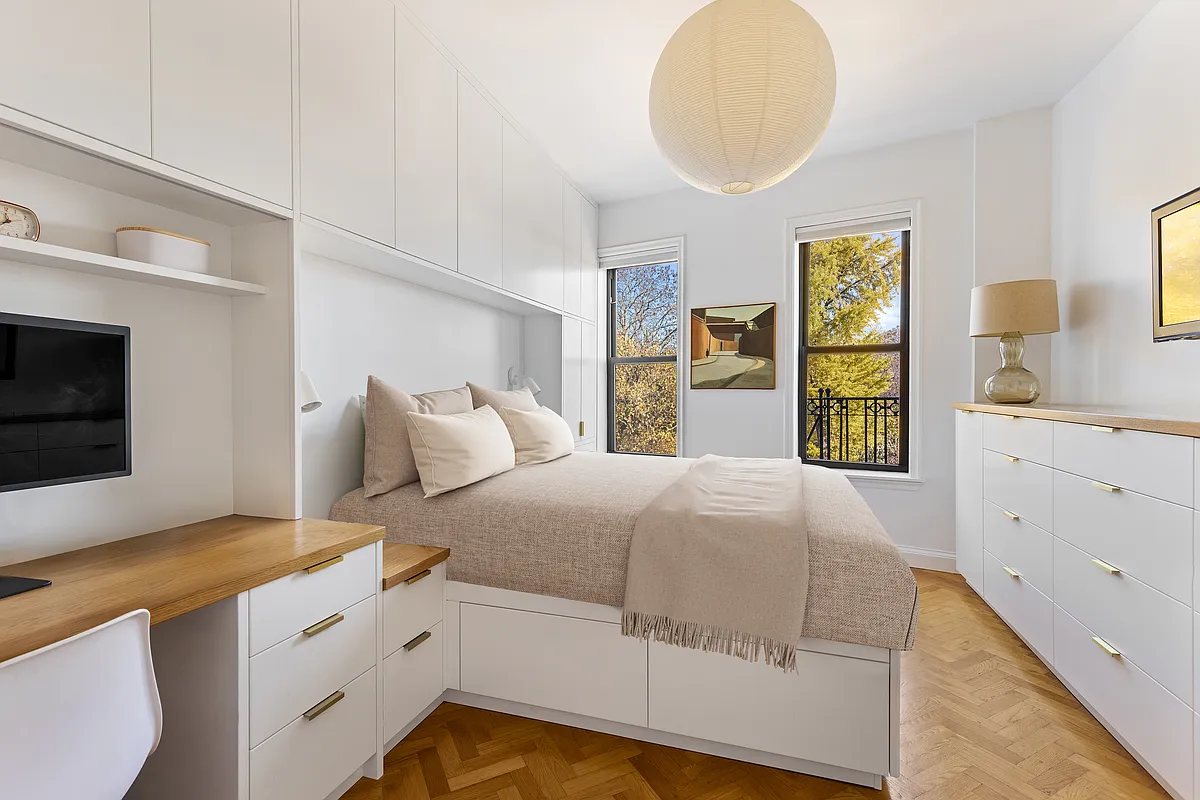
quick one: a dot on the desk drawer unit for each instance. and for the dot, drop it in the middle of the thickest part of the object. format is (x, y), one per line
(1026, 610)
(1021, 545)
(313, 755)
(283, 608)
(1019, 487)
(1027, 439)
(412, 679)
(412, 607)
(1153, 464)
(296, 674)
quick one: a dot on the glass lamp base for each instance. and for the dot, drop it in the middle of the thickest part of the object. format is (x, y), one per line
(1012, 385)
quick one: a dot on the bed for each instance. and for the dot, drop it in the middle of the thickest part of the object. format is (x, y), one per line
(535, 583)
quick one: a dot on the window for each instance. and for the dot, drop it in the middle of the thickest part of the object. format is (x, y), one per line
(643, 355)
(854, 344)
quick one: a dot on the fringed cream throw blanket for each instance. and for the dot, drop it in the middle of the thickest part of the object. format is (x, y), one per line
(719, 561)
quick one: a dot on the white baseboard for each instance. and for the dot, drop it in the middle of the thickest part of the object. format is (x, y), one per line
(924, 558)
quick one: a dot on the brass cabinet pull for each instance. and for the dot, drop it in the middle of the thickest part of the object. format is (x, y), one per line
(416, 640)
(1103, 429)
(1010, 417)
(1106, 647)
(323, 706)
(324, 564)
(1107, 567)
(1013, 459)
(1106, 487)
(1012, 573)
(422, 574)
(581, 429)
(1011, 515)
(323, 625)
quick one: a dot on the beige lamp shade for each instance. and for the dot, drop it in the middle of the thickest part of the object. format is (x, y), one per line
(742, 93)
(1025, 307)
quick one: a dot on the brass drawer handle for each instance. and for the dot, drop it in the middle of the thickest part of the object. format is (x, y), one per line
(422, 574)
(324, 564)
(323, 706)
(1013, 459)
(1107, 567)
(417, 640)
(1012, 516)
(1106, 487)
(1103, 429)
(1106, 647)
(581, 430)
(323, 625)
(1012, 573)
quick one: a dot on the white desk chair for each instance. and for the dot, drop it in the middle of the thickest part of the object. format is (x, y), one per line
(79, 717)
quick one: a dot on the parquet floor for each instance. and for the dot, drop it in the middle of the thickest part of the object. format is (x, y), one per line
(982, 719)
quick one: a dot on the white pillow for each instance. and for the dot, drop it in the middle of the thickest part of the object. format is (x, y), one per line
(538, 436)
(455, 450)
(497, 399)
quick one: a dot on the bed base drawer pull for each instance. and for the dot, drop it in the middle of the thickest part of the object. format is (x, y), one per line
(1106, 647)
(324, 564)
(422, 574)
(323, 706)
(323, 625)
(417, 640)
(1107, 567)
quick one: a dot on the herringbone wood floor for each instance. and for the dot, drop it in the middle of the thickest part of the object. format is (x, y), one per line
(982, 719)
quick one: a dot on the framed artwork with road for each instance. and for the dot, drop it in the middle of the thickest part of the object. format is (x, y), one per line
(733, 347)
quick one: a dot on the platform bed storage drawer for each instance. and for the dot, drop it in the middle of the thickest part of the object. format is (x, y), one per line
(563, 663)
(725, 699)
(412, 679)
(412, 607)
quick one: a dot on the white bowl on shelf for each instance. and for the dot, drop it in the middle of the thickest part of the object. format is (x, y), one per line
(164, 248)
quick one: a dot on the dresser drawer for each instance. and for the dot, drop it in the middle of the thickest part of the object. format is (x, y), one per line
(1147, 538)
(1021, 545)
(1020, 487)
(1152, 720)
(1025, 438)
(1155, 464)
(310, 758)
(412, 679)
(299, 672)
(282, 608)
(412, 607)
(1026, 610)
(1149, 628)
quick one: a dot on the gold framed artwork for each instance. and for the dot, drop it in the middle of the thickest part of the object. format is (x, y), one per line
(1175, 237)
(733, 347)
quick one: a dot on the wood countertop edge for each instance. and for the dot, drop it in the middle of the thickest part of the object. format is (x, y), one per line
(1081, 417)
(428, 558)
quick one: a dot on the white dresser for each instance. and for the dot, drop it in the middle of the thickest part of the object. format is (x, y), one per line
(1079, 530)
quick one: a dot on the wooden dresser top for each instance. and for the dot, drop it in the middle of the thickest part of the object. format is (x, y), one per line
(1106, 416)
(169, 573)
(402, 561)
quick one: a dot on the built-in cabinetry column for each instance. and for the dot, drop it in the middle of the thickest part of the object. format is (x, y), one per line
(589, 385)
(532, 219)
(572, 371)
(480, 186)
(572, 226)
(590, 268)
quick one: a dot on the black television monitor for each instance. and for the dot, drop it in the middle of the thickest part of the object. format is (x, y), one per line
(64, 402)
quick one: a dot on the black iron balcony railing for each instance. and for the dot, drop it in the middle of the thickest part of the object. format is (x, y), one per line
(854, 430)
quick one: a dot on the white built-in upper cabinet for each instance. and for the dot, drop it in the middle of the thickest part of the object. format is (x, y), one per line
(480, 186)
(222, 92)
(426, 148)
(590, 268)
(348, 115)
(532, 220)
(572, 221)
(81, 64)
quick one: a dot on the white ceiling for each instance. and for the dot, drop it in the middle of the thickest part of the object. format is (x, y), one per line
(575, 73)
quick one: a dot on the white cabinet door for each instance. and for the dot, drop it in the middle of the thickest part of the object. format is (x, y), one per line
(348, 116)
(532, 222)
(81, 64)
(572, 374)
(222, 92)
(590, 385)
(590, 269)
(480, 186)
(969, 497)
(426, 148)
(572, 226)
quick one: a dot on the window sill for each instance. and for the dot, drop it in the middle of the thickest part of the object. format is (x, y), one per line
(882, 480)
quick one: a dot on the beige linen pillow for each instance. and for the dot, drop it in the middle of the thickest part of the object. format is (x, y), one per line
(521, 398)
(538, 436)
(455, 450)
(387, 455)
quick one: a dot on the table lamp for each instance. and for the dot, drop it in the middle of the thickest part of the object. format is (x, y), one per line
(1013, 310)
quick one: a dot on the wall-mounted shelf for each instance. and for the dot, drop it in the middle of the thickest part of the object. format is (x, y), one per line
(51, 255)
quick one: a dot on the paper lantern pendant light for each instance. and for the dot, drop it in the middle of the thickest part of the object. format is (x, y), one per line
(742, 93)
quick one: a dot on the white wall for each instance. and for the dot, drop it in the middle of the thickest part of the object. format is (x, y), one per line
(1125, 141)
(181, 376)
(736, 253)
(356, 323)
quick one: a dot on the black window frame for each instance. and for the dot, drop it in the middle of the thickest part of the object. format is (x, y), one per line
(903, 347)
(613, 361)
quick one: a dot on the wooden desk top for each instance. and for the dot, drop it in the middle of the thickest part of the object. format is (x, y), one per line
(1106, 416)
(169, 572)
(402, 561)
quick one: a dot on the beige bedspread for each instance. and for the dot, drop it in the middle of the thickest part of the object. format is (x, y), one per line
(564, 528)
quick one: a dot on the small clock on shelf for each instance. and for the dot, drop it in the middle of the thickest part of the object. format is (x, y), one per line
(19, 222)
